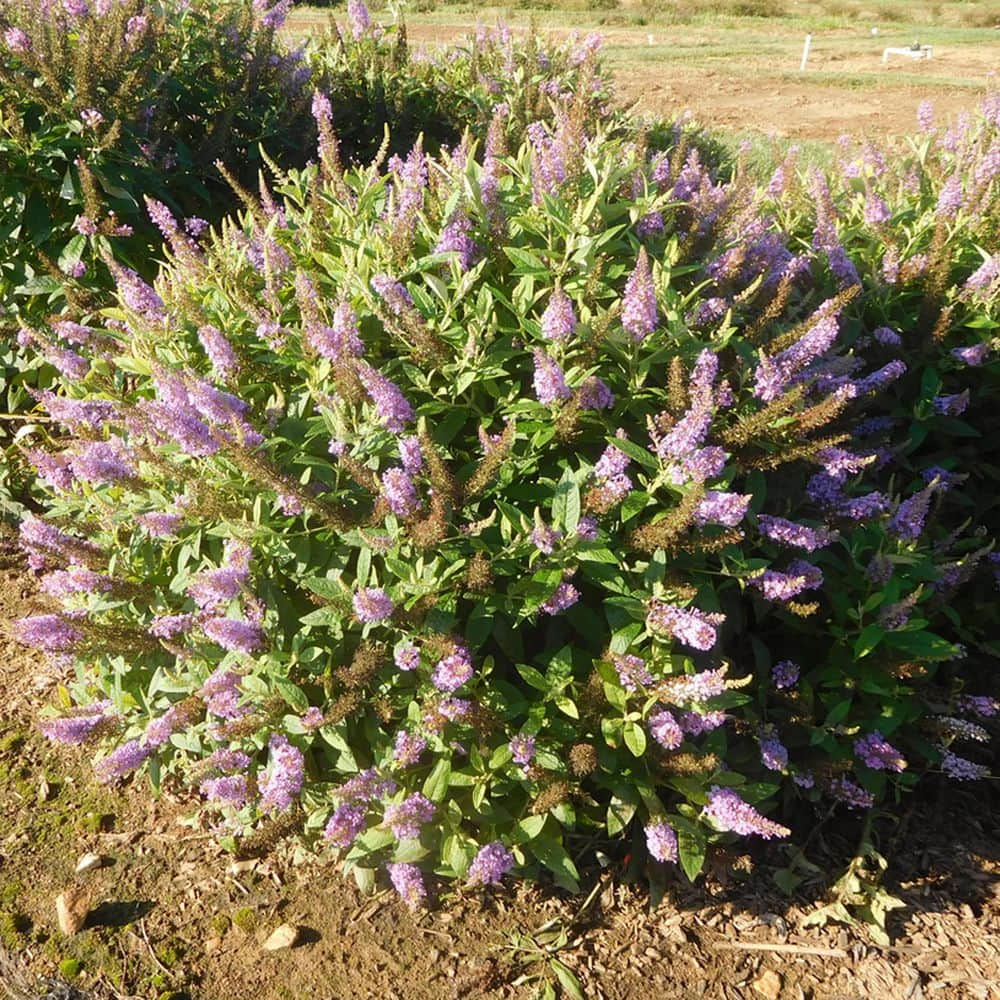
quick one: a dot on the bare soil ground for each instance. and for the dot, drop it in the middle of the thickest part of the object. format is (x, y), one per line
(173, 916)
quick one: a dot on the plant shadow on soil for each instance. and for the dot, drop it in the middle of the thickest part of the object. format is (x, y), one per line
(173, 916)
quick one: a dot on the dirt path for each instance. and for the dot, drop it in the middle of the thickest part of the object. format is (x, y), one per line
(173, 916)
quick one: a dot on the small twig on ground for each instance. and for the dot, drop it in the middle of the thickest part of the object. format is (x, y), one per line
(440, 934)
(156, 959)
(784, 949)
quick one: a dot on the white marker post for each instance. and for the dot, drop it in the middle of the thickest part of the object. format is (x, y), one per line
(805, 53)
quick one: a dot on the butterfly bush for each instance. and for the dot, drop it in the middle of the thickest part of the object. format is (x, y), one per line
(394, 575)
(111, 101)
(104, 103)
(375, 79)
(926, 317)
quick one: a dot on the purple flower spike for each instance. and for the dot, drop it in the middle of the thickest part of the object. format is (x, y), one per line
(391, 406)
(283, 782)
(345, 824)
(688, 625)
(455, 239)
(126, 759)
(407, 658)
(594, 394)
(405, 818)
(973, 356)
(727, 509)
(661, 841)
(785, 674)
(393, 293)
(228, 790)
(729, 812)
(549, 380)
(876, 752)
(665, 729)
(136, 295)
(798, 536)
(17, 40)
(631, 671)
(399, 492)
(563, 597)
(101, 462)
(490, 865)
(452, 671)
(777, 586)
(88, 721)
(545, 539)
(234, 635)
(160, 525)
(908, 521)
(51, 633)
(361, 21)
(522, 748)
(220, 352)
(559, 319)
(411, 455)
(408, 881)
(639, 310)
(960, 769)
(408, 748)
(373, 604)
(773, 754)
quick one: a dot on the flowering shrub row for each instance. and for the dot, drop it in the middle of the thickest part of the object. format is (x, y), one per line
(111, 101)
(103, 102)
(446, 511)
(916, 228)
(107, 101)
(381, 91)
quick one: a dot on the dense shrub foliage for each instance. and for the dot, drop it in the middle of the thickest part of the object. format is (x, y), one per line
(447, 507)
(919, 225)
(105, 104)
(382, 91)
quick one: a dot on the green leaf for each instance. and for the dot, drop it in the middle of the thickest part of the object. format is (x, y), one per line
(364, 567)
(365, 878)
(634, 503)
(637, 452)
(525, 262)
(923, 645)
(323, 587)
(635, 738)
(567, 980)
(838, 713)
(692, 843)
(567, 706)
(532, 826)
(787, 880)
(67, 190)
(436, 784)
(619, 816)
(533, 677)
(292, 694)
(409, 851)
(321, 616)
(566, 503)
(870, 637)
(553, 855)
